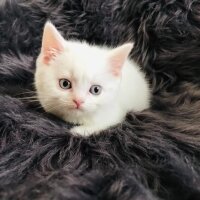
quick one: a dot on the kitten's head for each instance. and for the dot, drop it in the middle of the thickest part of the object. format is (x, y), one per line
(74, 79)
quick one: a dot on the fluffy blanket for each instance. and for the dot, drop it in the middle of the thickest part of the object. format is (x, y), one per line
(153, 154)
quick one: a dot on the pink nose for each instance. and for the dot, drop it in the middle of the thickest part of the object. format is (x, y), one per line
(78, 102)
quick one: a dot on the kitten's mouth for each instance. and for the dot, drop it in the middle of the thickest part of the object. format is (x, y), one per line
(77, 109)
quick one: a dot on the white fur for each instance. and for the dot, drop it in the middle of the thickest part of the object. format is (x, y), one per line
(86, 65)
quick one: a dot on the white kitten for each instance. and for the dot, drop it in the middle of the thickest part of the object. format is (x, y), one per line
(88, 85)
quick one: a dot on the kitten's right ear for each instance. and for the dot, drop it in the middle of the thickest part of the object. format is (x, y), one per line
(118, 56)
(52, 42)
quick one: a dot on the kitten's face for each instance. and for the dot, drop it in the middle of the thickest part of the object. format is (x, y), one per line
(70, 85)
(73, 79)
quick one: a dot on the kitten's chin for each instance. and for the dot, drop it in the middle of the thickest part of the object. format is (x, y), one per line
(77, 116)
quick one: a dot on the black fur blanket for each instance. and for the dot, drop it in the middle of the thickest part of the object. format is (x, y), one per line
(153, 154)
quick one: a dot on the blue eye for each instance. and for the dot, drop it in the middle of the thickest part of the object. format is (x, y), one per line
(95, 89)
(65, 84)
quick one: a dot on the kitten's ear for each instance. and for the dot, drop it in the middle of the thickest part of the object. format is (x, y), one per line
(52, 42)
(118, 56)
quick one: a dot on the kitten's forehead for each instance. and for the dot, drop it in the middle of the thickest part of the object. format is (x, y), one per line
(83, 61)
(85, 73)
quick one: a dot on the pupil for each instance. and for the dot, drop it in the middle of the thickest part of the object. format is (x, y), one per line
(96, 89)
(65, 83)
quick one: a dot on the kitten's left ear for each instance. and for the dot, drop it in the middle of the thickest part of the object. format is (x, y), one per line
(118, 56)
(52, 42)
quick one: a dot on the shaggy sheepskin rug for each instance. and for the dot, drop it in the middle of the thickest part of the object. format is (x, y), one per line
(154, 154)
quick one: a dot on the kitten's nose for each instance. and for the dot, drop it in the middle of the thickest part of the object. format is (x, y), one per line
(78, 102)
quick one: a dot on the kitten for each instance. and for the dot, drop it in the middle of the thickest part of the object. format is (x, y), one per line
(88, 85)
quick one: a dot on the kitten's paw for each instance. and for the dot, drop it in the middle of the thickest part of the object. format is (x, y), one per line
(83, 130)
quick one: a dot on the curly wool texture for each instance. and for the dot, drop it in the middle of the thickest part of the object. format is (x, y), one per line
(152, 155)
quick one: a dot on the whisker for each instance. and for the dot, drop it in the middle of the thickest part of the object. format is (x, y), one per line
(55, 107)
(34, 100)
(40, 107)
(32, 97)
(26, 93)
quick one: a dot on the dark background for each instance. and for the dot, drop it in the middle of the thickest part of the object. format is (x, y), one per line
(154, 154)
